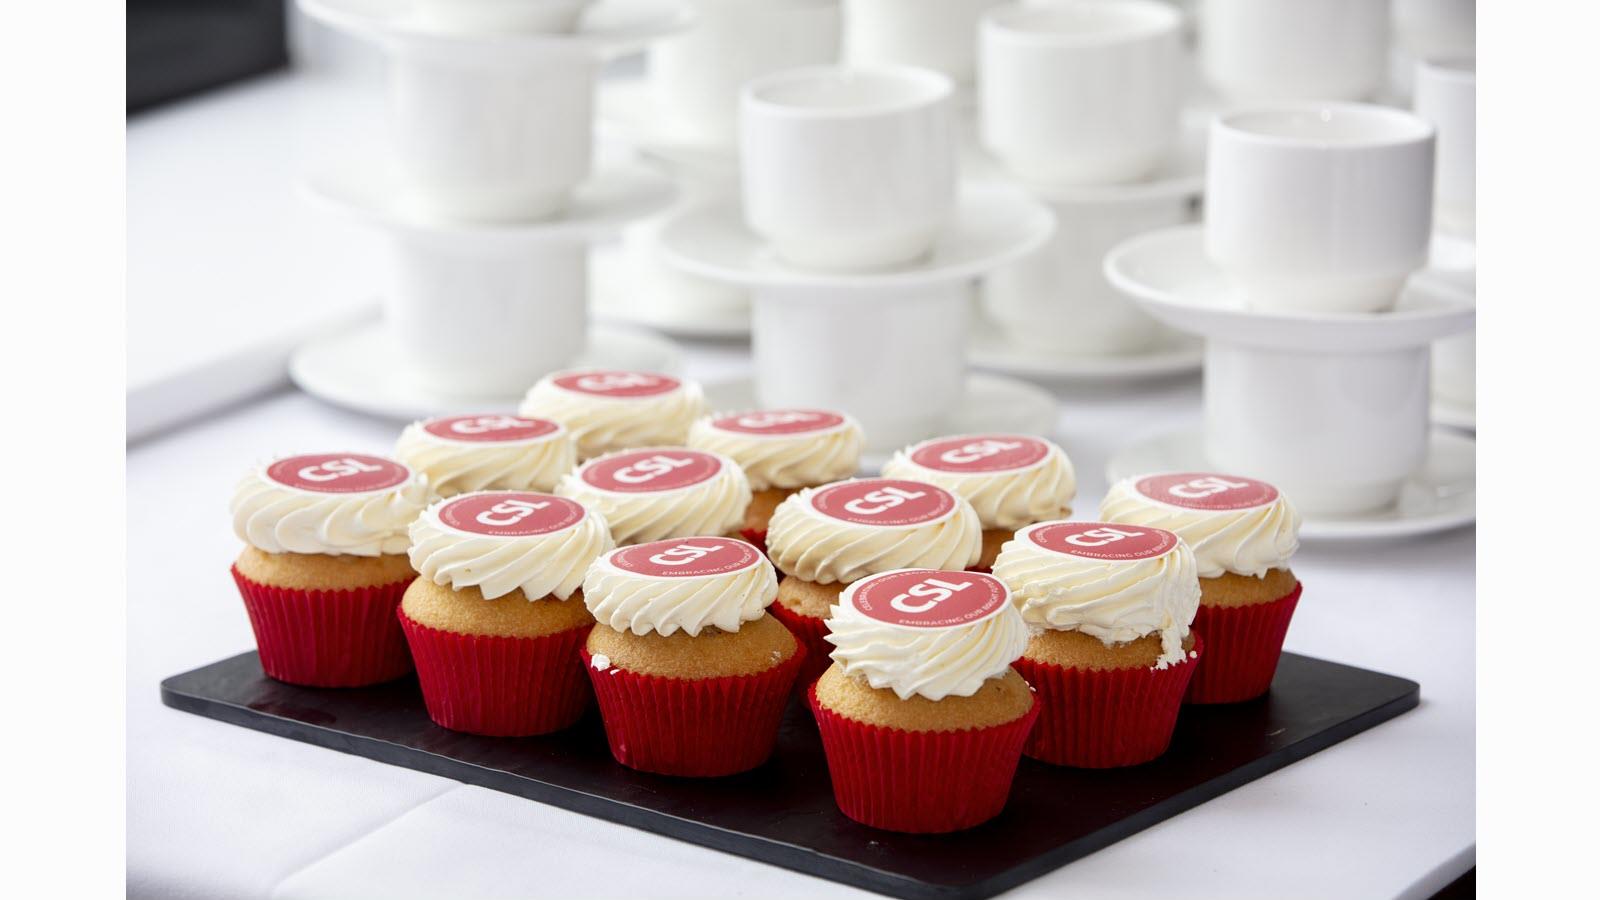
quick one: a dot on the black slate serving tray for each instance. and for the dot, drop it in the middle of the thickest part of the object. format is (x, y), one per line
(783, 813)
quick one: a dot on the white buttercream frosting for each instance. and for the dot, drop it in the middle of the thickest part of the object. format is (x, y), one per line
(1243, 541)
(714, 506)
(540, 565)
(1115, 600)
(934, 663)
(785, 461)
(812, 546)
(602, 424)
(276, 518)
(630, 601)
(462, 467)
(1006, 499)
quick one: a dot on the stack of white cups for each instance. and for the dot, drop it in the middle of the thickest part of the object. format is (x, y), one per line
(1081, 103)
(494, 200)
(1446, 92)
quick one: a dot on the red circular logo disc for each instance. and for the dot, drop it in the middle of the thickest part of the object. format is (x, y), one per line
(338, 473)
(1206, 491)
(617, 383)
(980, 453)
(778, 422)
(1102, 540)
(884, 501)
(694, 557)
(929, 598)
(650, 470)
(510, 513)
(490, 428)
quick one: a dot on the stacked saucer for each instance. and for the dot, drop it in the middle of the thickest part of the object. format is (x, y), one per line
(489, 202)
(1306, 283)
(859, 245)
(1110, 164)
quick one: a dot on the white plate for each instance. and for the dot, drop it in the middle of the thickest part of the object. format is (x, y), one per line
(358, 369)
(625, 110)
(1169, 275)
(1454, 415)
(991, 227)
(991, 403)
(611, 27)
(1441, 495)
(615, 296)
(989, 349)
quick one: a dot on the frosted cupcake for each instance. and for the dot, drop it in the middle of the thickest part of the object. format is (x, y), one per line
(496, 617)
(822, 539)
(608, 410)
(462, 454)
(922, 717)
(1242, 532)
(662, 492)
(1011, 480)
(1112, 652)
(325, 564)
(781, 451)
(691, 673)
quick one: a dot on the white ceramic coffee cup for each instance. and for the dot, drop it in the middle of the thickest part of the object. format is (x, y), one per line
(1267, 50)
(1319, 207)
(492, 136)
(848, 168)
(894, 358)
(932, 35)
(1080, 93)
(489, 16)
(1446, 94)
(1428, 29)
(1058, 300)
(486, 318)
(695, 76)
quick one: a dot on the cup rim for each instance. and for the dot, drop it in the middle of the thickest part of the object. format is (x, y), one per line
(1457, 70)
(1404, 128)
(1143, 18)
(932, 87)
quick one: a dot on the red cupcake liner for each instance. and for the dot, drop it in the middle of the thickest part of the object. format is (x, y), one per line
(345, 638)
(1244, 643)
(920, 782)
(499, 686)
(758, 538)
(695, 727)
(1101, 719)
(811, 632)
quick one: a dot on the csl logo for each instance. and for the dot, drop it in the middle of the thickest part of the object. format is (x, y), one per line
(617, 383)
(1100, 540)
(873, 503)
(650, 470)
(928, 598)
(687, 557)
(779, 421)
(1207, 491)
(510, 513)
(980, 453)
(492, 427)
(884, 501)
(340, 473)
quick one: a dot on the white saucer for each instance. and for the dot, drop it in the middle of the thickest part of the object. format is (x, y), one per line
(1454, 415)
(1169, 275)
(1442, 495)
(614, 295)
(625, 110)
(612, 27)
(357, 370)
(991, 226)
(600, 207)
(991, 403)
(989, 349)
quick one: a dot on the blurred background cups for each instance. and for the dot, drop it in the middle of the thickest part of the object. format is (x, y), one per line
(932, 34)
(1262, 50)
(848, 168)
(486, 16)
(1080, 93)
(1319, 207)
(1446, 94)
(1058, 300)
(491, 134)
(695, 76)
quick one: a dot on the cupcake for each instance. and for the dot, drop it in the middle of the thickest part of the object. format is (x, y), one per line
(691, 674)
(662, 492)
(1242, 532)
(325, 564)
(463, 454)
(781, 451)
(1011, 480)
(922, 717)
(824, 538)
(608, 410)
(1111, 653)
(496, 616)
